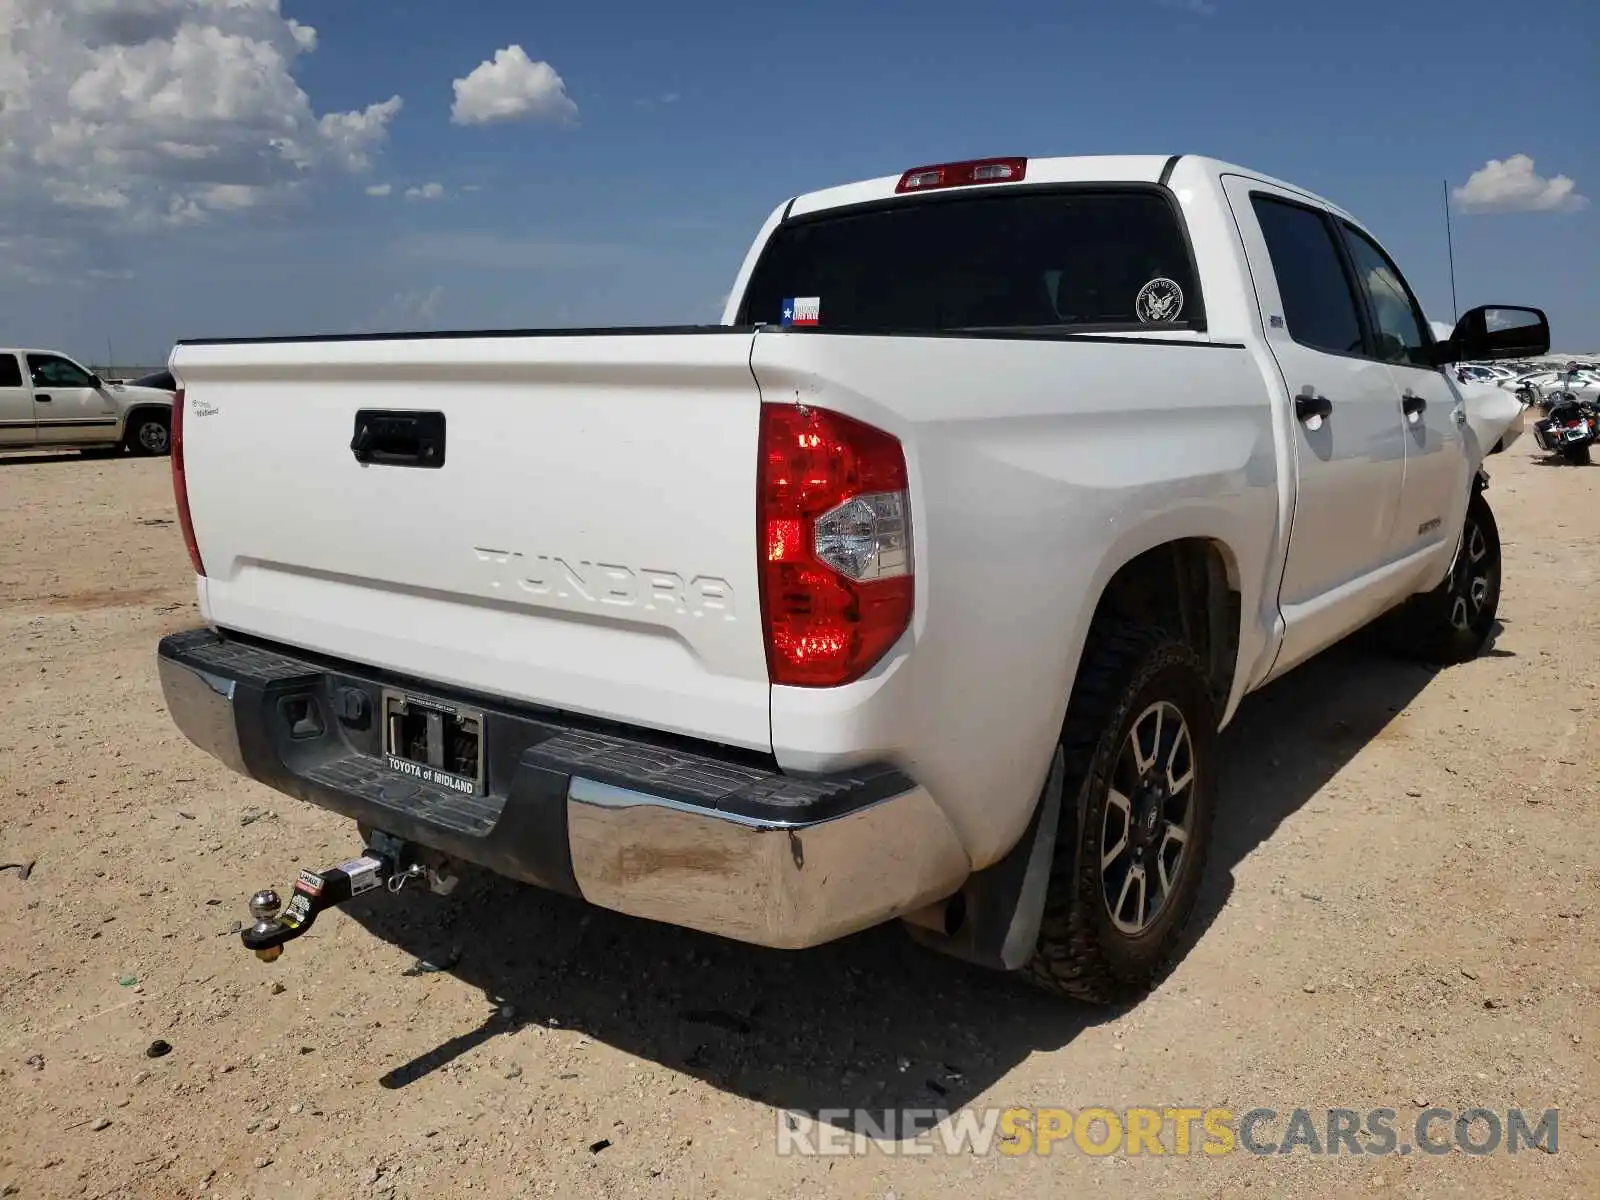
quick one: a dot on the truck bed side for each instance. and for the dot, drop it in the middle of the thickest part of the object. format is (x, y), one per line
(1038, 468)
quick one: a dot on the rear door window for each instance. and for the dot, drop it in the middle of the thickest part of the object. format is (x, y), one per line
(10, 371)
(1319, 305)
(1027, 262)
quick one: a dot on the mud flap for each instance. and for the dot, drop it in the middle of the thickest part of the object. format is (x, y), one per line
(993, 921)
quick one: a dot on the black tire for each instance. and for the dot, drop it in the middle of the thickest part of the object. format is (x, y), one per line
(1453, 623)
(149, 433)
(1578, 456)
(1085, 951)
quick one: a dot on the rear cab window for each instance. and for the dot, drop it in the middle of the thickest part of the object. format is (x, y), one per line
(1025, 261)
(10, 371)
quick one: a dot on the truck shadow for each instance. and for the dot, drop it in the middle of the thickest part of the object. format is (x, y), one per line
(35, 459)
(872, 1022)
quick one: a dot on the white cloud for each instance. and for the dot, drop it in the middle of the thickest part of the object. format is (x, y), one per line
(222, 197)
(410, 310)
(485, 251)
(511, 87)
(128, 114)
(352, 136)
(380, 189)
(86, 197)
(428, 191)
(183, 211)
(1514, 186)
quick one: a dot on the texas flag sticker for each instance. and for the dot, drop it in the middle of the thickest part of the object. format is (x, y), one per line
(803, 310)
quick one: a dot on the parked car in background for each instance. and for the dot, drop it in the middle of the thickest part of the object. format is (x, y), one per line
(49, 401)
(1583, 380)
(1479, 373)
(161, 380)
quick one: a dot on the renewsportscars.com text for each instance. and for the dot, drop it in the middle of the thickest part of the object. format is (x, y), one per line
(1159, 1131)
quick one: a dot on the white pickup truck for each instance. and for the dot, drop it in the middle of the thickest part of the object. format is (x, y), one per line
(48, 401)
(917, 588)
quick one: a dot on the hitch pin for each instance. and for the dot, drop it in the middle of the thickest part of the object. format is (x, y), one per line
(399, 879)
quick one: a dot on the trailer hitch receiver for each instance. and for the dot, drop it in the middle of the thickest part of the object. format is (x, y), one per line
(314, 892)
(317, 891)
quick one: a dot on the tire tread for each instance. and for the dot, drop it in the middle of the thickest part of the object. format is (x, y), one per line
(1421, 627)
(1069, 959)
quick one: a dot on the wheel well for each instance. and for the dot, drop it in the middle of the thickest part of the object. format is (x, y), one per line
(1190, 588)
(134, 414)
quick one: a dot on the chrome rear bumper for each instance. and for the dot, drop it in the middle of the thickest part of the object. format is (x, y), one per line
(685, 836)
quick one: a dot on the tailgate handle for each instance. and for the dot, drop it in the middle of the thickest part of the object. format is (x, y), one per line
(398, 438)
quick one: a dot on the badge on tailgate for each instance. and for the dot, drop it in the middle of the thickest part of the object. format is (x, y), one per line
(434, 741)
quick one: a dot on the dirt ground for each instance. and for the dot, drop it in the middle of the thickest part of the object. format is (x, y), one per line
(1403, 911)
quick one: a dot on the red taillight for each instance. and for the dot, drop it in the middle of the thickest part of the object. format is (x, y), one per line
(963, 174)
(835, 536)
(180, 484)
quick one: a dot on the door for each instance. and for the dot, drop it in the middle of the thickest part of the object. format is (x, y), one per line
(1349, 437)
(16, 404)
(67, 406)
(1434, 494)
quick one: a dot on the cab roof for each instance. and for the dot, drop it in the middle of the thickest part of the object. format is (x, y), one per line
(1087, 168)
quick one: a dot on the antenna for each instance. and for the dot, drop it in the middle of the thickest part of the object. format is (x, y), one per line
(1450, 243)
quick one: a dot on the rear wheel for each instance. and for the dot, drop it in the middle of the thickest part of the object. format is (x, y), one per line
(1140, 748)
(149, 433)
(1578, 456)
(1452, 623)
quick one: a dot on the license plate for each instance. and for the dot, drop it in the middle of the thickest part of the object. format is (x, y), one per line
(434, 741)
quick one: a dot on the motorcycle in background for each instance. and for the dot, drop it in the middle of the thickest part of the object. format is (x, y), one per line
(1568, 426)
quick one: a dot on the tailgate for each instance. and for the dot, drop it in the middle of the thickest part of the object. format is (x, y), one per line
(588, 543)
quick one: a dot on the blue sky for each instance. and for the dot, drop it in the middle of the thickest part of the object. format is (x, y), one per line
(632, 200)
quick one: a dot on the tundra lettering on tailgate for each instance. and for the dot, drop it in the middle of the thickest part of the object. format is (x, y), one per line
(581, 583)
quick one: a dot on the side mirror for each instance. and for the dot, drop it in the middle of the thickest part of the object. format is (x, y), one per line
(95, 381)
(1497, 331)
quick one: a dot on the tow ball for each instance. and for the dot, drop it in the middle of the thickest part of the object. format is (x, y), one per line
(387, 862)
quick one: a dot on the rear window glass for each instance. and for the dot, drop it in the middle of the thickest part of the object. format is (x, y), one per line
(1024, 261)
(10, 372)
